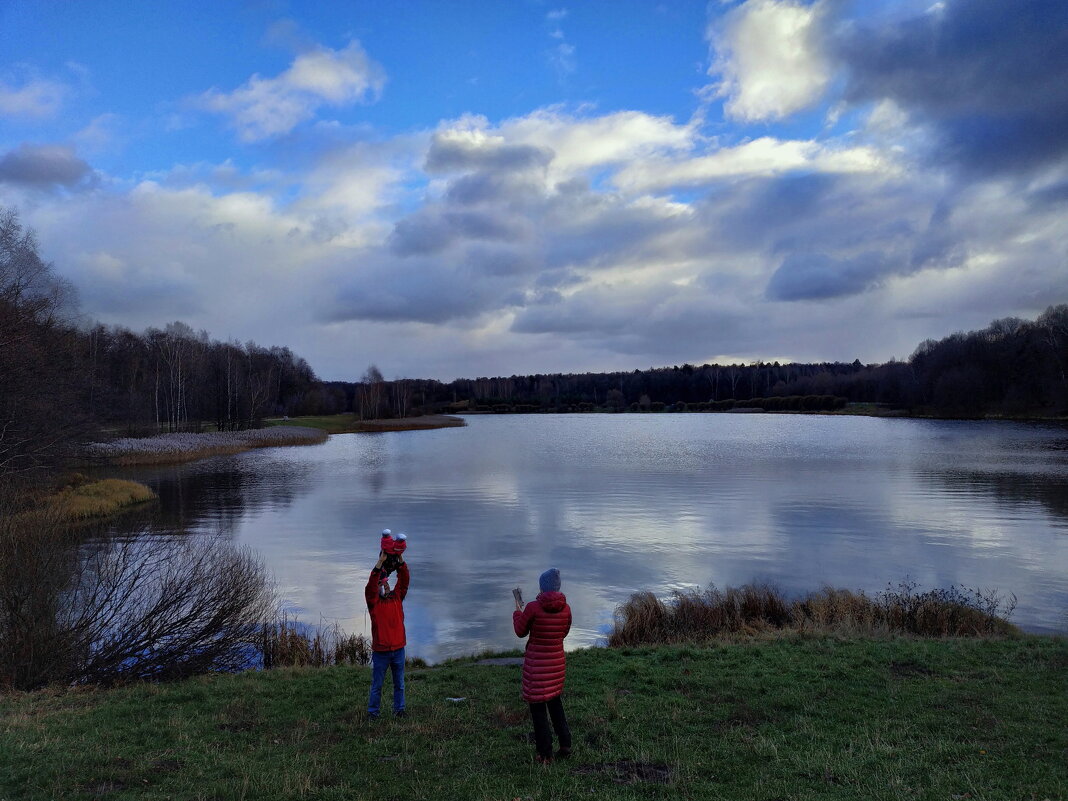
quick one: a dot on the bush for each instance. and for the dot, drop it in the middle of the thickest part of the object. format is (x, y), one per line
(122, 609)
(702, 616)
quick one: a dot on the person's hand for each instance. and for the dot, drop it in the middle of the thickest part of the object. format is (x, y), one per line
(400, 559)
(381, 560)
(518, 606)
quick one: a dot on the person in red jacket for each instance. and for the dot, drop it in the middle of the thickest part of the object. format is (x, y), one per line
(386, 607)
(547, 620)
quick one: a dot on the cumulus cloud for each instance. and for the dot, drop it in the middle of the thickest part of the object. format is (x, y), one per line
(44, 167)
(569, 239)
(31, 97)
(471, 146)
(990, 78)
(768, 58)
(266, 107)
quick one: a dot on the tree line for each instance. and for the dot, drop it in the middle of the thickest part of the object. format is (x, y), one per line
(63, 381)
(1013, 367)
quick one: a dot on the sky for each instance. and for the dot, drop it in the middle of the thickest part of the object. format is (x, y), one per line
(461, 189)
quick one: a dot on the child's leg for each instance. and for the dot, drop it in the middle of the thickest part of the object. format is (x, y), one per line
(543, 736)
(563, 732)
(396, 664)
(379, 663)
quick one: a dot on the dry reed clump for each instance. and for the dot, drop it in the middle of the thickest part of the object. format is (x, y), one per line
(178, 447)
(698, 616)
(100, 498)
(286, 643)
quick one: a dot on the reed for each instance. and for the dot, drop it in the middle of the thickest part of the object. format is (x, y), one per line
(183, 447)
(288, 643)
(702, 616)
(100, 498)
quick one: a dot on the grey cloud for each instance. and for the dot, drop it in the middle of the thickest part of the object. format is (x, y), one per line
(430, 231)
(488, 187)
(481, 225)
(669, 323)
(989, 76)
(44, 166)
(420, 289)
(451, 155)
(502, 261)
(420, 234)
(816, 276)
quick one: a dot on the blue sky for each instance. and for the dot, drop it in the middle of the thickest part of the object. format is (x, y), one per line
(475, 188)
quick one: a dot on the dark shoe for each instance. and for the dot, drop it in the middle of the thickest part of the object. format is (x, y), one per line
(400, 713)
(563, 753)
(542, 760)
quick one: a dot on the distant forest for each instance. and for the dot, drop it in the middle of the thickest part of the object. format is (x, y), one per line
(63, 381)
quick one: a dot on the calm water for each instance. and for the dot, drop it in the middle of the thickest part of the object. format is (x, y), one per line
(627, 502)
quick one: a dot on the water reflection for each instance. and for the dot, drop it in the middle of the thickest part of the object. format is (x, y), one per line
(625, 502)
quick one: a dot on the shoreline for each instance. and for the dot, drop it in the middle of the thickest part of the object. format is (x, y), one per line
(180, 447)
(896, 414)
(348, 424)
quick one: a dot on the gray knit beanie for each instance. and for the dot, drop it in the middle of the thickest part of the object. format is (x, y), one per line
(550, 580)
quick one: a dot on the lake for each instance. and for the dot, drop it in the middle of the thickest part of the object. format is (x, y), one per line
(638, 501)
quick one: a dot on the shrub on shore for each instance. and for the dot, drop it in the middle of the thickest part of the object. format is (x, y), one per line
(121, 609)
(695, 617)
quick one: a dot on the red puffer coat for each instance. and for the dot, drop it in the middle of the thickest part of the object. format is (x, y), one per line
(547, 619)
(387, 614)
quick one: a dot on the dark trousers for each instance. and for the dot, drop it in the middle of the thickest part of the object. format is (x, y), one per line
(543, 736)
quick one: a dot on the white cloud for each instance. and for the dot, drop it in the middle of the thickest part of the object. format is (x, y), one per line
(767, 56)
(100, 134)
(266, 107)
(761, 157)
(34, 97)
(582, 143)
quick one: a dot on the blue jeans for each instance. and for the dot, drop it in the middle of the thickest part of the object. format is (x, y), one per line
(380, 660)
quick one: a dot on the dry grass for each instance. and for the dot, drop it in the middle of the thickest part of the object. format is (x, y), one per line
(286, 643)
(351, 424)
(424, 423)
(184, 447)
(697, 617)
(99, 498)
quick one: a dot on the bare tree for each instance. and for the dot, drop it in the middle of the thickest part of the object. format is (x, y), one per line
(369, 393)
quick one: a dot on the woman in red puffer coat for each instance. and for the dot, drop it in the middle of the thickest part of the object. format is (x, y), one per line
(547, 619)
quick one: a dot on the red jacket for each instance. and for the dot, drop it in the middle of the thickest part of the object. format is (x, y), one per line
(547, 619)
(387, 614)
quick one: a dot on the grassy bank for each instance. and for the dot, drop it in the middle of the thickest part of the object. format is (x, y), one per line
(184, 447)
(351, 424)
(792, 717)
(95, 499)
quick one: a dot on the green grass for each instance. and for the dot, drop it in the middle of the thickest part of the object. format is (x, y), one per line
(789, 718)
(350, 423)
